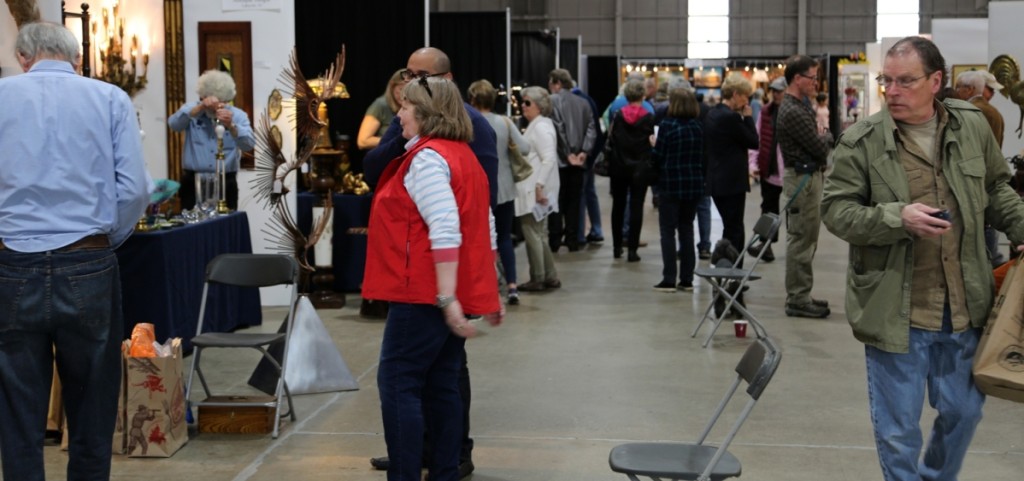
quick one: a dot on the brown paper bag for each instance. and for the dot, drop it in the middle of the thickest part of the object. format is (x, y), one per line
(999, 362)
(154, 414)
(120, 433)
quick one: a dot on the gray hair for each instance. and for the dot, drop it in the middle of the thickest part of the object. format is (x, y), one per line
(217, 84)
(973, 79)
(539, 96)
(633, 91)
(45, 40)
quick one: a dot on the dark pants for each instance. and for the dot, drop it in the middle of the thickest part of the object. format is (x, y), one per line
(675, 214)
(504, 214)
(565, 222)
(730, 208)
(187, 191)
(68, 304)
(418, 379)
(624, 184)
(770, 201)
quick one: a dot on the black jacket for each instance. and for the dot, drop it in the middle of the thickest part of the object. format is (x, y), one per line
(727, 138)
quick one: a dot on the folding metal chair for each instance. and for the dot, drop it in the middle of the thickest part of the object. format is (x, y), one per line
(734, 278)
(247, 270)
(700, 461)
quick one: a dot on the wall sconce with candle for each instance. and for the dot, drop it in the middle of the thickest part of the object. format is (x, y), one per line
(113, 67)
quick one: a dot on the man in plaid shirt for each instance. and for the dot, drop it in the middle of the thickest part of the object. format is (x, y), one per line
(805, 149)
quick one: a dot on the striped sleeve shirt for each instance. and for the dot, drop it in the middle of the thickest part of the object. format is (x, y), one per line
(428, 182)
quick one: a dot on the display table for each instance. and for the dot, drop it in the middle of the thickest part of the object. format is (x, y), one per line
(162, 274)
(349, 249)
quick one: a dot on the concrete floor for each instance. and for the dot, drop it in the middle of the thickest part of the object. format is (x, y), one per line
(602, 361)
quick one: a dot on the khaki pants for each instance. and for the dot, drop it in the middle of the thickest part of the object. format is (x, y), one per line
(538, 252)
(803, 222)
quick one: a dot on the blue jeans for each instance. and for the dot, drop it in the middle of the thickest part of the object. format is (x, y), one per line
(68, 304)
(675, 214)
(418, 379)
(589, 208)
(704, 223)
(939, 362)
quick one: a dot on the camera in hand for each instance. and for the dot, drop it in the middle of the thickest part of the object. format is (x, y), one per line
(942, 214)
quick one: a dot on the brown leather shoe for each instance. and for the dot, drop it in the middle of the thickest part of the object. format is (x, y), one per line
(552, 283)
(532, 286)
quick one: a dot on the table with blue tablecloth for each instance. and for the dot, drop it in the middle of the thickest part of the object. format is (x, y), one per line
(349, 249)
(162, 274)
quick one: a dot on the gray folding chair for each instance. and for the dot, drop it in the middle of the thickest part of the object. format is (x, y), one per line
(728, 281)
(700, 461)
(247, 270)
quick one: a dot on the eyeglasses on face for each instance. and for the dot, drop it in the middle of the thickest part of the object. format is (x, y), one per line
(408, 75)
(901, 82)
(527, 103)
(812, 77)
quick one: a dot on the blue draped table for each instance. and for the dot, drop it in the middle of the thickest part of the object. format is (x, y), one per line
(162, 274)
(349, 250)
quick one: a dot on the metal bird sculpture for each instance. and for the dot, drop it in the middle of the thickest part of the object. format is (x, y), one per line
(1007, 71)
(273, 164)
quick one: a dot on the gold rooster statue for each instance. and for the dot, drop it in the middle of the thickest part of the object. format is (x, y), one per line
(1007, 71)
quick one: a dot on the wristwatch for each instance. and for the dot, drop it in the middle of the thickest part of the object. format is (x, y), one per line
(444, 301)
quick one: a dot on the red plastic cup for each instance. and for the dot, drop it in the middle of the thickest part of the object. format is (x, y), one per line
(740, 327)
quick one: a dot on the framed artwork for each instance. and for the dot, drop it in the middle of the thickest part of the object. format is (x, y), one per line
(710, 77)
(959, 69)
(227, 46)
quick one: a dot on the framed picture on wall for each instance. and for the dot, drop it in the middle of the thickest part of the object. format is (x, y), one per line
(959, 69)
(227, 46)
(710, 77)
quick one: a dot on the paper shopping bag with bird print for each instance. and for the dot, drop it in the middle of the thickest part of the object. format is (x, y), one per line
(153, 419)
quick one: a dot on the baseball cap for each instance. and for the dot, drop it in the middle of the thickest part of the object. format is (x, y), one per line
(990, 81)
(779, 84)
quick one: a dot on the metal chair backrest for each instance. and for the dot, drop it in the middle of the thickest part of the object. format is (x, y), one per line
(758, 365)
(253, 270)
(767, 225)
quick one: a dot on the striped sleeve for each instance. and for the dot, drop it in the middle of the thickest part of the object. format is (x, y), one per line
(429, 184)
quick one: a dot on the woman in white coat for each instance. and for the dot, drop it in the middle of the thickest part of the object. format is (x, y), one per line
(537, 196)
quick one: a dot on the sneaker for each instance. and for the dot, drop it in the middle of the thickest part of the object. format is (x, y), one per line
(819, 302)
(594, 238)
(685, 286)
(665, 287)
(704, 254)
(513, 297)
(807, 310)
(768, 256)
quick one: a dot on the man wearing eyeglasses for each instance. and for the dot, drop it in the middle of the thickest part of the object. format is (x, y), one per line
(423, 63)
(911, 190)
(805, 149)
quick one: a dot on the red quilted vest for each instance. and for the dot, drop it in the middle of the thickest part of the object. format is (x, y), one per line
(399, 258)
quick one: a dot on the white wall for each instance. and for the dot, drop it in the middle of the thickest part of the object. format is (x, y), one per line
(1004, 37)
(962, 41)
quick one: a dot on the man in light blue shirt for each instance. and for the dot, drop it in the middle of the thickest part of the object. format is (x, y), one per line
(198, 120)
(72, 185)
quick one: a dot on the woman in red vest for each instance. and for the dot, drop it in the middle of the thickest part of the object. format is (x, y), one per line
(431, 254)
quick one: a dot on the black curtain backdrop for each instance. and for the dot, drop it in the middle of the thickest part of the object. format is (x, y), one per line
(603, 79)
(475, 44)
(533, 58)
(379, 36)
(569, 56)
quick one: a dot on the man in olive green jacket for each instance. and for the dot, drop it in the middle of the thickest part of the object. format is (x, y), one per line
(911, 190)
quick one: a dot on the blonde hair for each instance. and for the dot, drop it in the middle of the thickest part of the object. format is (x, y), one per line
(438, 108)
(396, 80)
(734, 84)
